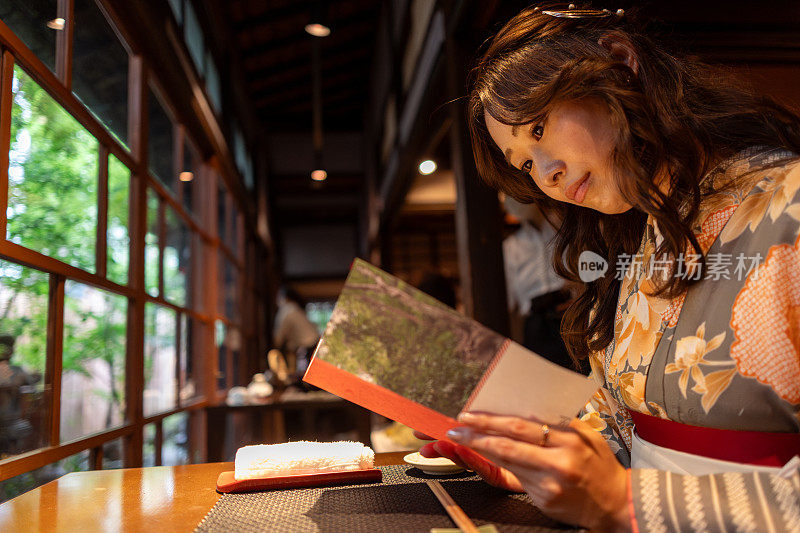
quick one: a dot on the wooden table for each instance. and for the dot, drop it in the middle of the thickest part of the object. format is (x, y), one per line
(160, 499)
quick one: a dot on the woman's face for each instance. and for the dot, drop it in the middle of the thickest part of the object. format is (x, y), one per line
(568, 155)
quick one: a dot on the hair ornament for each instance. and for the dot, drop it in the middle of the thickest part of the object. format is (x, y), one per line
(572, 12)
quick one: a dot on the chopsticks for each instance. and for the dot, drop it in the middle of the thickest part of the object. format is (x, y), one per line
(452, 508)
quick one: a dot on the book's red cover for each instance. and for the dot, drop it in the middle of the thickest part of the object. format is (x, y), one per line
(378, 399)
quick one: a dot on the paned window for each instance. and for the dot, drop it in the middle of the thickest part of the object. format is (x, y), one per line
(100, 69)
(161, 142)
(177, 260)
(24, 402)
(220, 334)
(175, 450)
(34, 22)
(159, 359)
(52, 175)
(189, 369)
(118, 237)
(93, 363)
(152, 254)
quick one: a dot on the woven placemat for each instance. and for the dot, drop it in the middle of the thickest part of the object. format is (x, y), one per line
(402, 502)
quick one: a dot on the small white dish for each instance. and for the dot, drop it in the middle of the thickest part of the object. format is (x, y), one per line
(438, 466)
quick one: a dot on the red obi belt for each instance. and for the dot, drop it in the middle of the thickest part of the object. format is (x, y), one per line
(748, 447)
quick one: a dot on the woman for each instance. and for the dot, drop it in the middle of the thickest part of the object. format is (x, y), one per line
(688, 187)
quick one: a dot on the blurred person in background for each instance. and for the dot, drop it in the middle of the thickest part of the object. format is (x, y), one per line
(537, 296)
(294, 335)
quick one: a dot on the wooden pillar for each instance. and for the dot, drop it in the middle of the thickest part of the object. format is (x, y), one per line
(55, 346)
(478, 214)
(211, 258)
(137, 133)
(65, 9)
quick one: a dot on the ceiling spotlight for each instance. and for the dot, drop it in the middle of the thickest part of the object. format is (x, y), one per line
(319, 175)
(186, 176)
(56, 24)
(427, 167)
(317, 29)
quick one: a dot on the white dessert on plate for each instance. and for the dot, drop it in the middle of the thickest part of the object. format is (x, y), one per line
(301, 457)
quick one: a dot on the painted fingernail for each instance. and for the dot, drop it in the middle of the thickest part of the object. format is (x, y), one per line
(466, 418)
(458, 433)
(428, 450)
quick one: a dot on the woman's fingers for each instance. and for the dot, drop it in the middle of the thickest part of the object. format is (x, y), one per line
(515, 428)
(441, 449)
(429, 451)
(422, 436)
(501, 449)
(490, 472)
(471, 460)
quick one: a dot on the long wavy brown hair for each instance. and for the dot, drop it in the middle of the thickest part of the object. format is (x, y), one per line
(675, 117)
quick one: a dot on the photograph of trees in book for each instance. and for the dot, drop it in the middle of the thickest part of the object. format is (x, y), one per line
(388, 333)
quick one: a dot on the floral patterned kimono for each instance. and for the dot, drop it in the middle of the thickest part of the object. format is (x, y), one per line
(724, 355)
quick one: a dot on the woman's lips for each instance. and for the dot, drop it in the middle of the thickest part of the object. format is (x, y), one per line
(577, 191)
(581, 192)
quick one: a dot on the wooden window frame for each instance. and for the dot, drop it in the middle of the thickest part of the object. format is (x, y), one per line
(202, 228)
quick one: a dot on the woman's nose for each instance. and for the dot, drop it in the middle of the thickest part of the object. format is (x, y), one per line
(552, 172)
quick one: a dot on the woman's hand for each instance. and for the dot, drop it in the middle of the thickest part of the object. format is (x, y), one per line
(570, 473)
(466, 458)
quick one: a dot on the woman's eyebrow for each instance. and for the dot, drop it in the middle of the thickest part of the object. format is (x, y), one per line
(515, 130)
(507, 153)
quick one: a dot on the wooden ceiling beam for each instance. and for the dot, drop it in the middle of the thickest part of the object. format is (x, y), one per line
(346, 117)
(357, 28)
(270, 15)
(338, 14)
(293, 93)
(303, 217)
(298, 71)
(303, 185)
(296, 90)
(351, 101)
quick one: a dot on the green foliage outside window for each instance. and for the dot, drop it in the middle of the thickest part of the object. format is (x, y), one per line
(52, 197)
(23, 314)
(151, 252)
(119, 178)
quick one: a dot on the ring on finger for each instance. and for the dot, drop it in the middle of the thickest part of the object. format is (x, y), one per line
(545, 434)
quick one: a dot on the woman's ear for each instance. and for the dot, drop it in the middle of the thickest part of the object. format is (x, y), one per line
(622, 50)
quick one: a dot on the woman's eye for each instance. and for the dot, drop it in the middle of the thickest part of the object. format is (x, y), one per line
(526, 166)
(537, 132)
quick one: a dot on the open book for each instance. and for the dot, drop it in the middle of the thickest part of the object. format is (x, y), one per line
(402, 354)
